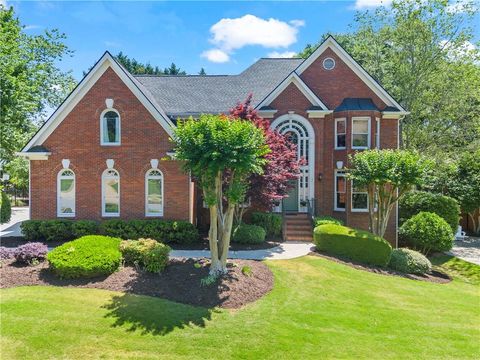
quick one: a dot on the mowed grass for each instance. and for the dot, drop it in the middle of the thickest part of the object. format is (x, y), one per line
(318, 309)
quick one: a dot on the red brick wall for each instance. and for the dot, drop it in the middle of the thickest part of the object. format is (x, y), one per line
(78, 138)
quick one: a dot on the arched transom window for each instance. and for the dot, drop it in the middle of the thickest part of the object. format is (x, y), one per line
(154, 193)
(110, 127)
(66, 193)
(297, 133)
(110, 193)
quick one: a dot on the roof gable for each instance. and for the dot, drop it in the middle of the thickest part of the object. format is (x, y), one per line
(105, 62)
(331, 43)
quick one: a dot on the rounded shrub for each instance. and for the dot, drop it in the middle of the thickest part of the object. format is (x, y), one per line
(322, 220)
(84, 227)
(415, 202)
(409, 261)
(5, 208)
(30, 253)
(86, 257)
(357, 245)
(427, 232)
(147, 253)
(31, 230)
(56, 230)
(272, 223)
(249, 234)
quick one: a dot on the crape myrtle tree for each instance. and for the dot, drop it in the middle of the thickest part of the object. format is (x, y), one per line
(221, 153)
(386, 175)
(281, 167)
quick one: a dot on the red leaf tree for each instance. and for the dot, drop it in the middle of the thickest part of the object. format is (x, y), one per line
(282, 164)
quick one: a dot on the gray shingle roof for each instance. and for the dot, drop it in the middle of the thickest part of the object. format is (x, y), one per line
(193, 95)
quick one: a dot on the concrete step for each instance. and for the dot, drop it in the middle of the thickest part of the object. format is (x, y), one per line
(300, 238)
(296, 226)
(304, 232)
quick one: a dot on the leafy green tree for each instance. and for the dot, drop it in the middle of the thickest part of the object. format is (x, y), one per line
(387, 175)
(422, 52)
(137, 68)
(18, 170)
(30, 81)
(174, 70)
(221, 154)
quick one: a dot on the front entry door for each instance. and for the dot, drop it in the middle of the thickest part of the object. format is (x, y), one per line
(290, 203)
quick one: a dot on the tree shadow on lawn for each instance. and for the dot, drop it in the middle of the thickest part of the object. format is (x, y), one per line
(154, 316)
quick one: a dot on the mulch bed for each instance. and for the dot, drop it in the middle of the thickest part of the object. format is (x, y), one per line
(202, 244)
(435, 276)
(179, 282)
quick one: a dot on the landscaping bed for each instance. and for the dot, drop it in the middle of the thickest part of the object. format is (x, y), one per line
(434, 276)
(180, 282)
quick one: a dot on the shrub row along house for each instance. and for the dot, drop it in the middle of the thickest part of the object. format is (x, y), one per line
(105, 152)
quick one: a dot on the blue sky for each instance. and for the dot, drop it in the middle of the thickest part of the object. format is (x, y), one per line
(222, 37)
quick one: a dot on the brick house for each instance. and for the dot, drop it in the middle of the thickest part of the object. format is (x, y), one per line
(105, 152)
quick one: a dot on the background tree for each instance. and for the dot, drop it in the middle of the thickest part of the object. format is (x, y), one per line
(422, 52)
(30, 81)
(18, 170)
(202, 72)
(387, 175)
(174, 70)
(221, 153)
(282, 165)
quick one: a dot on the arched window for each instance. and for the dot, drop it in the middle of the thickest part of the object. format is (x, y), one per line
(110, 128)
(154, 193)
(66, 193)
(110, 193)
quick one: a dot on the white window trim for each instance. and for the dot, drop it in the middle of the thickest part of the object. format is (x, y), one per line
(102, 129)
(355, 118)
(338, 173)
(59, 177)
(377, 133)
(336, 135)
(148, 176)
(328, 58)
(351, 200)
(105, 214)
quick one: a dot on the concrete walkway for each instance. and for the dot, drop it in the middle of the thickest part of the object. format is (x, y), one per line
(468, 249)
(286, 250)
(12, 228)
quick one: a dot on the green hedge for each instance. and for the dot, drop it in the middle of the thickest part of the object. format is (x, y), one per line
(86, 257)
(147, 253)
(427, 232)
(165, 231)
(409, 261)
(357, 245)
(415, 202)
(272, 223)
(249, 234)
(5, 208)
(322, 220)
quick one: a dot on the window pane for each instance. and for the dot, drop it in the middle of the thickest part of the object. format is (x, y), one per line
(67, 196)
(111, 130)
(360, 140)
(154, 197)
(360, 201)
(111, 196)
(360, 126)
(341, 127)
(340, 201)
(340, 140)
(341, 184)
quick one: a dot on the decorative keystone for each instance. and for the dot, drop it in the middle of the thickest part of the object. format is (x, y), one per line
(154, 163)
(109, 103)
(66, 163)
(110, 163)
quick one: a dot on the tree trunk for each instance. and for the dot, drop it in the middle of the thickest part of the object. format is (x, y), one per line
(227, 233)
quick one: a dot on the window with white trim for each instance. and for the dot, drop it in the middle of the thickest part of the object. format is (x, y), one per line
(154, 193)
(110, 128)
(340, 133)
(66, 193)
(359, 198)
(340, 191)
(360, 132)
(110, 193)
(377, 133)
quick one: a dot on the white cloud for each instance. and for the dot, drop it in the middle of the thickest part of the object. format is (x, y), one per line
(460, 6)
(285, 54)
(232, 34)
(466, 49)
(216, 55)
(3, 3)
(363, 4)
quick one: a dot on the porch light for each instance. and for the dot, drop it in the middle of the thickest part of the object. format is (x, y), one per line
(339, 165)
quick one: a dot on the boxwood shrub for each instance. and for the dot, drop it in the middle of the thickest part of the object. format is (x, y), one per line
(86, 257)
(84, 227)
(409, 261)
(272, 223)
(322, 220)
(415, 202)
(147, 253)
(56, 230)
(249, 234)
(427, 232)
(31, 230)
(357, 245)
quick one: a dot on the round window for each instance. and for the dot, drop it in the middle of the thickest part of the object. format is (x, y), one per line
(328, 63)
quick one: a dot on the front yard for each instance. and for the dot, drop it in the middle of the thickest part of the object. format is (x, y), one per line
(318, 308)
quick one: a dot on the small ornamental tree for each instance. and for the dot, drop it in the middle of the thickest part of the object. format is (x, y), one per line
(221, 153)
(281, 167)
(387, 175)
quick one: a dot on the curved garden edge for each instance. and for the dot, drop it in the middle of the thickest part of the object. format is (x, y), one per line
(179, 282)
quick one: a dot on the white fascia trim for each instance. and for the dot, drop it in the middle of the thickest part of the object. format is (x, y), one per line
(318, 113)
(105, 62)
(352, 64)
(34, 155)
(267, 114)
(394, 114)
(295, 79)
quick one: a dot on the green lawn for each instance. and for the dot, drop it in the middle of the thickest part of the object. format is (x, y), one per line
(318, 309)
